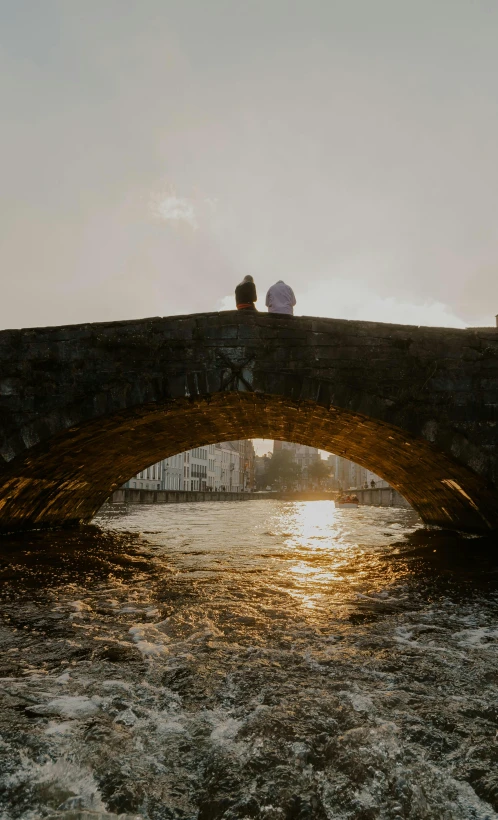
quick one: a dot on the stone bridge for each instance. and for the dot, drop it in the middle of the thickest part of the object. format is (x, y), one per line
(85, 407)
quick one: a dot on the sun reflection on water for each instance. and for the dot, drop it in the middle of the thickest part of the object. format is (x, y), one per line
(308, 555)
(323, 552)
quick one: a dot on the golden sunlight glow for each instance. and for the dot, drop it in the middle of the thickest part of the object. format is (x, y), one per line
(312, 524)
(314, 534)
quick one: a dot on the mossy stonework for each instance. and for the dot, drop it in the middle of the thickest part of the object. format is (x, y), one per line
(85, 407)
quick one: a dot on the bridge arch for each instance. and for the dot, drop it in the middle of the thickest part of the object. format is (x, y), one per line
(84, 408)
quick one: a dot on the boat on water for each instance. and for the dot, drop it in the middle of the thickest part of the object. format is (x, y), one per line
(351, 501)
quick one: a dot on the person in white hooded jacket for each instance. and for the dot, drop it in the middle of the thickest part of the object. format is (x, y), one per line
(280, 298)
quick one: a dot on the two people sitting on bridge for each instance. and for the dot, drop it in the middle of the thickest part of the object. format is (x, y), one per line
(279, 299)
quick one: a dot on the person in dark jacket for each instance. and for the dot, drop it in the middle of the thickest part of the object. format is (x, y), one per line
(245, 294)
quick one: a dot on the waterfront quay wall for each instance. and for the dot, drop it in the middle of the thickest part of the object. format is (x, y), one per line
(382, 497)
(129, 495)
(374, 496)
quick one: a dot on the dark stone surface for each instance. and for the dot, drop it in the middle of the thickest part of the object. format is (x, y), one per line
(84, 407)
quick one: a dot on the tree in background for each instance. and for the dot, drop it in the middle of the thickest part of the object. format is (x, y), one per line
(282, 471)
(318, 471)
(262, 463)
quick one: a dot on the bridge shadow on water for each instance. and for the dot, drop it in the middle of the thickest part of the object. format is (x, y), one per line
(446, 554)
(47, 559)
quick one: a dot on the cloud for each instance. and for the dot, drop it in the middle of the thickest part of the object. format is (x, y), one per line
(175, 209)
(349, 299)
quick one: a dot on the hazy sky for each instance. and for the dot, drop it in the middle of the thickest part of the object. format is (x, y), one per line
(154, 152)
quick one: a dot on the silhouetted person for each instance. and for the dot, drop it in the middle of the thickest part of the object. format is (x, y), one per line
(280, 298)
(372, 483)
(245, 294)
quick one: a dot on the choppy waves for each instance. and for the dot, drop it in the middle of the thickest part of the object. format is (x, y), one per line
(265, 660)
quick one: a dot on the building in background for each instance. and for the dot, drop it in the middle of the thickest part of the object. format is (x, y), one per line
(228, 466)
(348, 475)
(211, 467)
(149, 479)
(172, 476)
(198, 458)
(247, 465)
(232, 466)
(303, 455)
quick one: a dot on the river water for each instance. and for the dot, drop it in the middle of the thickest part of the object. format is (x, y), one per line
(265, 659)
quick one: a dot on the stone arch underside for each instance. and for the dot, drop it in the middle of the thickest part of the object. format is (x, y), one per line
(65, 479)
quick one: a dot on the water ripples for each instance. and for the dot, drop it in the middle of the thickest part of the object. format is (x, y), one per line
(249, 660)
